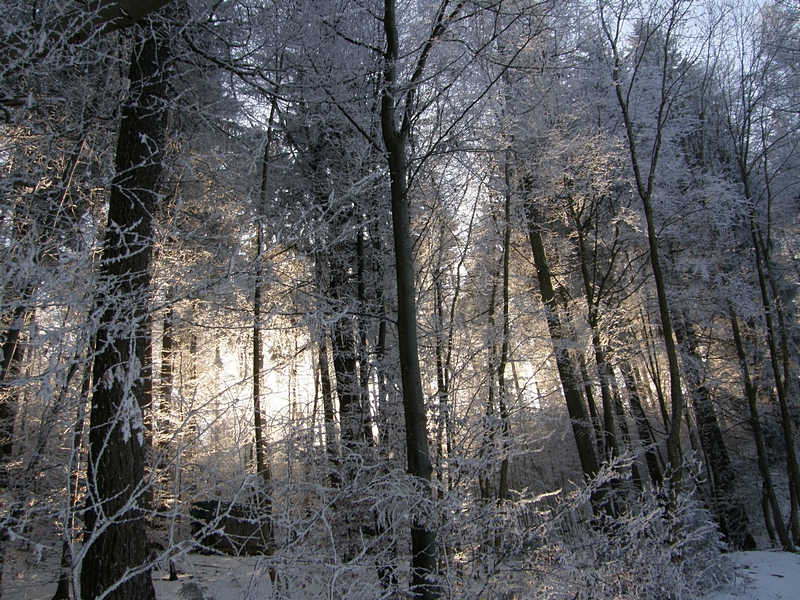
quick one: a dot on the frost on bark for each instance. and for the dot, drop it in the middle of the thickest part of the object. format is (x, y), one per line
(116, 555)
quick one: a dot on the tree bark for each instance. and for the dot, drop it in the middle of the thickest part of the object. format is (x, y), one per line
(763, 464)
(348, 388)
(502, 385)
(65, 573)
(774, 334)
(645, 184)
(569, 381)
(363, 341)
(116, 560)
(728, 509)
(263, 470)
(642, 426)
(423, 538)
(329, 417)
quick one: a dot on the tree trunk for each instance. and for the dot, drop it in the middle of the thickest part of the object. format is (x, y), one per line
(363, 341)
(423, 538)
(263, 470)
(441, 382)
(644, 181)
(65, 573)
(581, 428)
(728, 509)
(502, 492)
(329, 417)
(12, 356)
(116, 560)
(642, 426)
(594, 415)
(166, 375)
(348, 388)
(606, 376)
(627, 438)
(761, 449)
(489, 433)
(774, 334)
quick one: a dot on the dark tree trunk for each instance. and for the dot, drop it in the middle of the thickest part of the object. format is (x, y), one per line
(363, 341)
(776, 335)
(329, 417)
(581, 428)
(489, 433)
(348, 387)
(116, 558)
(263, 469)
(755, 421)
(642, 426)
(13, 353)
(765, 509)
(600, 438)
(593, 298)
(166, 375)
(442, 394)
(502, 384)
(326, 384)
(423, 538)
(728, 509)
(644, 171)
(626, 437)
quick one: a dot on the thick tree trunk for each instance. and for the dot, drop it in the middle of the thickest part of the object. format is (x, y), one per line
(116, 560)
(348, 388)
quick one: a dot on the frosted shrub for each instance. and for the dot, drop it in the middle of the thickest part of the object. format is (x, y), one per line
(641, 553)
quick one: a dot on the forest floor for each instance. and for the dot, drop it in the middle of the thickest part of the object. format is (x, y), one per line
(763, 576)
(759, 575)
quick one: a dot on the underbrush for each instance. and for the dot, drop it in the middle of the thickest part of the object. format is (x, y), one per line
(549, 547)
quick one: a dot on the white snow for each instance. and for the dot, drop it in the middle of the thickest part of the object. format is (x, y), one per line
(763, 575)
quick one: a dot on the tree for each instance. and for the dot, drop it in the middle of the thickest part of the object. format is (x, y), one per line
(116, 560)
(654, 62)
(757, 140)
(395, 138)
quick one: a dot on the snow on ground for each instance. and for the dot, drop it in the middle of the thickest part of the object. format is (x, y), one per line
(217, 577)
(758, 576)
(200, 577)
(763, 576)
